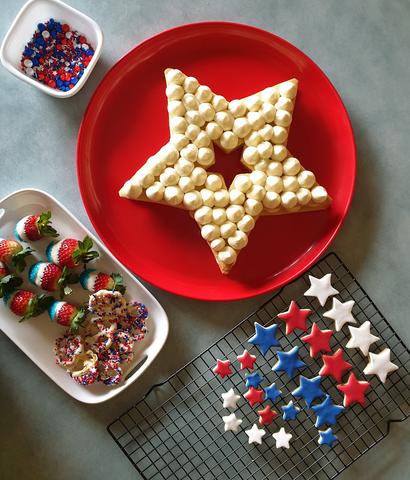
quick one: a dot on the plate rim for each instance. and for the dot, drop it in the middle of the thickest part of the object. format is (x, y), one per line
(267, 286)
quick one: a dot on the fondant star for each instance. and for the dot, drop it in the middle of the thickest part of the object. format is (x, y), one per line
(361, 338)
(222, 368)
(230, 399)
(327, 437)
(253, 380)
(321, 288)
(341, 313)
(319, 340)
(295, 317)
(354, 391)
(265, 337)
(309, 389)
(288, 362)
(327, 412)
(232, 422)
(380, 365)
(246, 360)
(334, 365)
(255, 434)
(272, 393)
(254, 396)
(267, 415)
(282, 438)
(290, 411)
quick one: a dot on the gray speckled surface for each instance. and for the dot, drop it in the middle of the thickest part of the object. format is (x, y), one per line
(364, 48)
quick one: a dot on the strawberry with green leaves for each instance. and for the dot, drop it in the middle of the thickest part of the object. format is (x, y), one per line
(27, 304)
(8, 281)
(52, 277)
(95, 281)
(71, 253)
(34, 227)
(67, 315)
(13, 252)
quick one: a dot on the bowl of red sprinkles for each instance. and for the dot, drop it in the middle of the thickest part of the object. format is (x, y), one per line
(52, 46)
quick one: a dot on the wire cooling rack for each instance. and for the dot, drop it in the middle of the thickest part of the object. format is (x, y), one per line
(176, 430)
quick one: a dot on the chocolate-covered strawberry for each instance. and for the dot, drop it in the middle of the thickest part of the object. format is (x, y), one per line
(70, 252)
(27, 304)
(67, 315)
(94, 281)
(13, 252)
(34, 227)
(52, 277)
(8, 281)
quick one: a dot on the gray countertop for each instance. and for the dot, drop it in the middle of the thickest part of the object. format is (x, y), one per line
(363, 46)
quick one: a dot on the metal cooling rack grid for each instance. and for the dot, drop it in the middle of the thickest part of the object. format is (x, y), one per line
(176, 431)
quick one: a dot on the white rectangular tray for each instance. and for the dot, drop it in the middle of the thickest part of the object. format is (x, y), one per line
(36, 336)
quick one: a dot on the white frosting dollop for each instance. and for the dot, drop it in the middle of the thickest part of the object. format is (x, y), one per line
(280, 152)
(265, 149)
(174, 92)
(227, 229)
(176, 107)
(257, 192)
(306, 179)
(155, 192)
(192, 132)
(246, 223)
(179, 141)
(213, 182)
(218, 216)
(274, 184)
(236, 197)
(130, 190)
(173, 75)
(237, 108)
(173, 195)
(169, 176)
(284, 103)
(275, 168)
(241, 127)
(206, 156)
(192, 200)
(238, 240)
(270, 95)
(168, 154)
(255, 120)
(258, 178)
(193, 117)
(304, 196)
(224, 120)
(202, 140)
(186, 184)
(266, 132)
(253, 139)
(155, 165)
(207, 111)
(214, 130)
(191, 84)
(144, 177)
(290, 183)
(289, 199)
(253, 207)
(268, 112)
(208, 198)
(210, 232)
(190, 102)
(218, 244)
(291, 166)
(203, 215)
(204, 94)
(221, 198)
(279, 134)
(242, 183)
(178, 124)
(190, 153)
(253, 103)
(219, 103)
(198, 176)
(283, 118)
(229, 140)
(227, 255)
(319, 194)
(235, 212)
(271, 200)
(250, 155)
(183, 167)
(288, 89)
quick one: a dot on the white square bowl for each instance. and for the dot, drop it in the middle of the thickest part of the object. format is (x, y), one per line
(23, 27)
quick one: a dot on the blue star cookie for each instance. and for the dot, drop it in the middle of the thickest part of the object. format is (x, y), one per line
(309, 389)
(265, 337)
(272, 393)
(290, 411)
(327, 412)
(288, 362)
(327, 437)
(253, 380)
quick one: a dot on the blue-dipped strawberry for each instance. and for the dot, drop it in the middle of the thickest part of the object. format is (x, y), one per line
(27, 304)
(94, 281)
(34, 227)
(52, 277)
(67, 315)
(13, 252)
(8, 281)
(70, 252)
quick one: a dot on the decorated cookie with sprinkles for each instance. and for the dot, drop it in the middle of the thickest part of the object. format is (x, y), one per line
(67, 348)
(84, 370)
(109, 369)
(102, 340)
(109, 305)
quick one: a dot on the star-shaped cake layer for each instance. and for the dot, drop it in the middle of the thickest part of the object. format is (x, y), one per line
(253, 380)
(327, 437)
(290, 411)
(179, 174)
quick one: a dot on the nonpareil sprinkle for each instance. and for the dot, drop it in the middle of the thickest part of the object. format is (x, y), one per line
(56, 55)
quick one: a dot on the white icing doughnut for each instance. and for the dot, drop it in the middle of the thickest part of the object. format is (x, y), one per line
(203, 215)
(155, 192)
(198, 176)
(218, 244)
(204, 94)
(289, 199)
(227, 229)
(246, 223)
(291, 166)
(238, 240)
(183, 167)
(241, 127)
(304, 196)
(221, 198)
(229, 140)
(290, 183)
(219, 103)
(206, 156)
(306, 179)
(235, 212)
(218, 216)
(173, 195)
(227, 255)
(250, 155)
(210, 232)
(174, 92)
(208, 198)
(213, 182)
(265, 149)
(176, 107)
(236, 197)
(275, 168)
(253, 207)
(214, 130)
(224, 120)
(169, 176)
(237, 108)
(319, 194)
(242, 183)
(192, 200)
(186, 184)
(191, 84)
(274, 184)
(271, 200)
(255, 120)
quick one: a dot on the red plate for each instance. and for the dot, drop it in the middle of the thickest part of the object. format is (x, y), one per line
(126, 122)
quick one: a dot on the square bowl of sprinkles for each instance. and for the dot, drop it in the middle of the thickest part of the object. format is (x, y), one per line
(52, 46)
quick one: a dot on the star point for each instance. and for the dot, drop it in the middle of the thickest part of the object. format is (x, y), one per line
(282, 438)
(321, 288)
(341, 313)
(380, 365)
(295, 317)
(361, 338)
(255, 434)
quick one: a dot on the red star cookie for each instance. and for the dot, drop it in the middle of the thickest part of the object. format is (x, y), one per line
(334, 365)
(246, 360)
(319, 340)
(295, 317)
(354, 391)
(254, 396)
(267, 415)
(222, 368)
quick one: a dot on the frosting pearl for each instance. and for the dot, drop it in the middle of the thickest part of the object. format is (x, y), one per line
(202, 140)
(258, 178)
(179, 141)
(208, 198)
(274, 184)
(130, 190)
(283, 118)
(155, 192)
(204, 94)
(219, 103)
(237, 108)
(250, 155)
(235, 213)
(173, 75)
(207, 111)
(266, 132)
(275, 168)
(203, 215)
(173, 195)
(213, 182)
(227, 229)
(227, 256)
(262, 165)
(271, 200)
(221, 198)
(290, 183)
(279, 153)
(288, 89)
(198, 176)
(253, 207)
(190, 152)
(169, 176)
(279, 134)
(186, 184)
(268, 112)
(319, 194)
(265, 149)
(210, 232)
(192, 200)
(255, 120)
(289, 199)
(155, 165)
(174, 92)
(191, 84)
(238, 240)
(242, 182)
(225, 120)
(257, 192)
(246, 223)
(236, 197)
(253, 103)
(253, 139)
(192, 132)
(270, 95)
(306, 179)
(291, 166)
(218, 216)
(214, 130)
(206, 156)
(229, 140)
(241, 127)
(183, 167)
(178, 124)
(284, 103)
(144, 177)
(218, 244)
(304, 196)
(168, 154)
(176, 107)
(193, 117)
(190, 101)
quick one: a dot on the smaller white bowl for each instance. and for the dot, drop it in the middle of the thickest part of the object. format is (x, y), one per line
(23, 27)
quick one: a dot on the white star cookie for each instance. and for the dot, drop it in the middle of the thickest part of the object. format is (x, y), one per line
(232, 422)
(255, 434)
(282, 438)
(341, 313)
(380, 365)
(361, 338)
(321, 288)
(230, 399)
(273, 183)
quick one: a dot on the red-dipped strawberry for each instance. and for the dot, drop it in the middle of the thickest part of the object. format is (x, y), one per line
(8, 282)
(52, 277)
(70, 253)
(95, 281)
(27, 304)
(12, 251)
(34, 227)
(67, 315)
